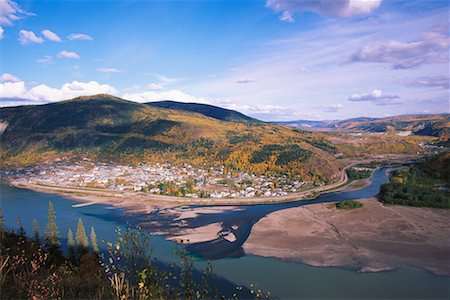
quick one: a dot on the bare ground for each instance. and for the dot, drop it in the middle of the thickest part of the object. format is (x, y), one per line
(372, 238)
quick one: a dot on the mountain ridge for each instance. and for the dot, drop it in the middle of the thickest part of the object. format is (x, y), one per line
(419, 124)
(205, 109)
(111, 128)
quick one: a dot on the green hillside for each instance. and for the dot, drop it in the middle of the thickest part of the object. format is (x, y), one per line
(109, 128)
(212, 111)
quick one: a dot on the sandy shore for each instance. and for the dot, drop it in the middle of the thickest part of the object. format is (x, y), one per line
(369, 239)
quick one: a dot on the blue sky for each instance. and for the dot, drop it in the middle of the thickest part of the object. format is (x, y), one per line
(274, 60)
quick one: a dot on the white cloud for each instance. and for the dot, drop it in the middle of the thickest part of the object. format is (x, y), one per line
(79, 36)
(155, 86)
(7, 77)
(68, 54)
(431, 48)
(44, 93)
(440, 81)
(1, 33)
(13, 89)
(334, 8)
(10, 12)
(28, 37)
(175, 95)
(376, 97)
(108, 70)
(51, 36)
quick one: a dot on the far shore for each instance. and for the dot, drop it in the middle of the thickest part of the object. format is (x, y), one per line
(140, 202)
(130, 199)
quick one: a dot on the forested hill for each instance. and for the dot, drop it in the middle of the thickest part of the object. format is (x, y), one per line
(212, 111)
(109, 128)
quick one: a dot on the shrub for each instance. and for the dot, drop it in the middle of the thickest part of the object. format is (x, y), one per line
(349, 204)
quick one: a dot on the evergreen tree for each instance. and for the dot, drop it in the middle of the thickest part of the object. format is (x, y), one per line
(36, 230)
(51, 231)
(81, 237)
(2, 220)
(71, 243)
(21, 229)
(94, 241)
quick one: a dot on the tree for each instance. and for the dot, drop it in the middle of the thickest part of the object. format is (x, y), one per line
(36, 230)
(51, 231)
(81, 237)
(71, 243)
(94, 241)
(70, 240)
(21, 229)
(2, 220)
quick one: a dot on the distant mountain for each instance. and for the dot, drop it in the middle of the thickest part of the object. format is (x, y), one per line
(430, 125)
(109, 128)
(305, 124)
(212, 111)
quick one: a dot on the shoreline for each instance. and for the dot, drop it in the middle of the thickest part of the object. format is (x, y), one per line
(97, 195)
(127, 199)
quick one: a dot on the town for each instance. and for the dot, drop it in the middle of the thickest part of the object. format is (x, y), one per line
(181, 180)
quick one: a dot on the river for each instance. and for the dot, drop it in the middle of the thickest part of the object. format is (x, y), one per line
(282, 278)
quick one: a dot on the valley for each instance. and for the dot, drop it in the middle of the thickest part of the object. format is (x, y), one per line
(224, 185)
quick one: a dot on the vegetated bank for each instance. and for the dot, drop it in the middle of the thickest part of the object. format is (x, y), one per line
(425, 184)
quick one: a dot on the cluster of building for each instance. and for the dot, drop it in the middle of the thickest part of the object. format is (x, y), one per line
(166, 179)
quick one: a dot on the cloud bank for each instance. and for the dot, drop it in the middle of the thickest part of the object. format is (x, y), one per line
(44, 93)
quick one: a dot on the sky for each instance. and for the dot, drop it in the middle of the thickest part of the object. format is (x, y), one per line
(276, 60)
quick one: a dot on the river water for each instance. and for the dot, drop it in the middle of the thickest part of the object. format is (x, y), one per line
(283, 279)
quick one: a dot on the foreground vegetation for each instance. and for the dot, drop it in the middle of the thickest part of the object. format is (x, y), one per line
(38, 269)
(424, 185)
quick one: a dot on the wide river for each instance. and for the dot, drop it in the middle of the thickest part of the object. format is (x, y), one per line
(283, 279)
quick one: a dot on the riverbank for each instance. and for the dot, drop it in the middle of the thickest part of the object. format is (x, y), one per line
(143, 201)
(374, 238)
